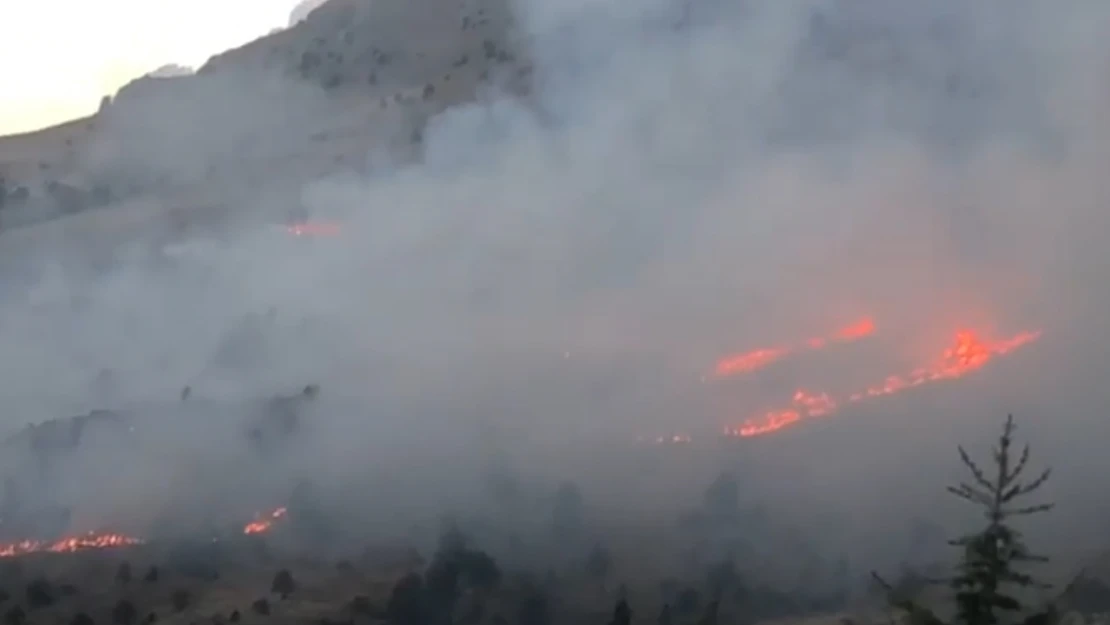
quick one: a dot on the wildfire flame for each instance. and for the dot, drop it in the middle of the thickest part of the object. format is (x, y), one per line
(312, 228)
(91, 540)
(747, 362)
(263, 522)
(968, 353)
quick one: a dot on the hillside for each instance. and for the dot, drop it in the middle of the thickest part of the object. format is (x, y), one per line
(351, 79)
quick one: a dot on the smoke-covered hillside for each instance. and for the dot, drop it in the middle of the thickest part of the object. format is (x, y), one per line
(571, 278)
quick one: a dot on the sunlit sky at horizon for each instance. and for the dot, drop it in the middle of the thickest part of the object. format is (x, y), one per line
(59, 57)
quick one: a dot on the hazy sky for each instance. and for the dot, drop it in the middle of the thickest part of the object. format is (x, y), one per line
(59, 57)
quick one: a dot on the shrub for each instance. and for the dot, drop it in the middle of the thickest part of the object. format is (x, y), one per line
(283, 584)
(15, 616)
(361, 605)
(39, 594)
(664, 615)
(622, 614)
(534, 607)
(180, 600)
(687, 601)
(406, 604)
(598, 563)
(123, 573)
(124, 613)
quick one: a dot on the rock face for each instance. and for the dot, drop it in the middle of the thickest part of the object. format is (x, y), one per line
(387, 43)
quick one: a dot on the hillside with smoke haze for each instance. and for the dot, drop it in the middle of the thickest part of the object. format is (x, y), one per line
(563, 276)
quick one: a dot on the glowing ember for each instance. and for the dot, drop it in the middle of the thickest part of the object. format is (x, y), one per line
(802, 405)
(673, 439)
(263, 523)
(92, 540)
(309, 228)
(968, 353)
(758, 358)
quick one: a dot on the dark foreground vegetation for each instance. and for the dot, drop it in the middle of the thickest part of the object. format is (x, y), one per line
(993, 581)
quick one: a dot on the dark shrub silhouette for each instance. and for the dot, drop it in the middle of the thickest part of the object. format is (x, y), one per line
(361, 605)
(406, 602)
(664, 615)
(123, 573)
(687, 602)
(622, 614)
(534, 607)
(721, 577)
(261, 606)
(40, 594)
(124, 613)
(567, 513)
(283, 584)
(722, 498)
(180, 600)
(15, 616)
(598, 563)
(709, 617)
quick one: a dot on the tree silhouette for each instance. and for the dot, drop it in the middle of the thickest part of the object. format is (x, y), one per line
(283, 584)
(722, 497)
(124, 613)
(664, 615)
(992, 555)
(566, 515)
(622, 614)
(598, 564)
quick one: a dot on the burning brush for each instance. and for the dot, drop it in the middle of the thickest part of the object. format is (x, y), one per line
(968, 352)
(262, 523)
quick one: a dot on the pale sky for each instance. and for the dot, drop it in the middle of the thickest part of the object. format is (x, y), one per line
(58, 57)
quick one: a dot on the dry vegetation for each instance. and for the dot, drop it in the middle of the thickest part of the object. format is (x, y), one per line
(275, 578)
(365, 78)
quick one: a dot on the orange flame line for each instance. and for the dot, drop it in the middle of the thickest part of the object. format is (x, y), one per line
(967, 354)
(756, 359)
(263, 523)
(92, 540)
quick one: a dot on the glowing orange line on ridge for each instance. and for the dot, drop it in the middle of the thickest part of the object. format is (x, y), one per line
(968, 353)
(756, 359)
(92, 540)
(264, 523)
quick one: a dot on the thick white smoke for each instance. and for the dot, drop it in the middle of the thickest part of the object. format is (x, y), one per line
(568, 266)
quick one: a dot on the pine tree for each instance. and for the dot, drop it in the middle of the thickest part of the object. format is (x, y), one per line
(992, 555)
(989, 567)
